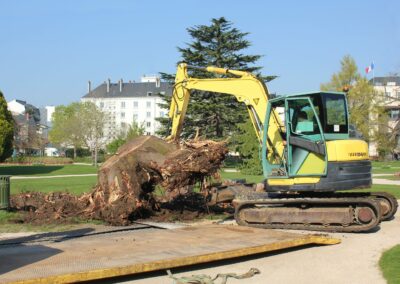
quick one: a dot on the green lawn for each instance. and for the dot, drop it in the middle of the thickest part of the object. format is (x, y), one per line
(74, 185)
(40, 170)
(390, 265)
(386, 164)
(386, 167)
(384, 170)
(391, 177)
(9, 223)
(393, 189)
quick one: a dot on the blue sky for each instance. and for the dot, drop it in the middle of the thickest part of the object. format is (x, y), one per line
(50, 49)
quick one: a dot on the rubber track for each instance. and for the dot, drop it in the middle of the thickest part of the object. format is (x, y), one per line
(340, 202)
(375, 195)
(393, 203)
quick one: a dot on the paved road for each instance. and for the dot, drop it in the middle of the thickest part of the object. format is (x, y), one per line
(354, 261)
(385, 181)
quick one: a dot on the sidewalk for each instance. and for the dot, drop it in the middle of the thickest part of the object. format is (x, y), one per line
(385, 181)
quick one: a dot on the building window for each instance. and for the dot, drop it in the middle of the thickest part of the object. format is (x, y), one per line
(162, 114)
(135, 116)
(149, 94)
(148, 124)
(148, 114)
(148, 133)
(135, 104)
(387, 96)
(148, 104)
(122, 104)
(122, 114)
(394, 114)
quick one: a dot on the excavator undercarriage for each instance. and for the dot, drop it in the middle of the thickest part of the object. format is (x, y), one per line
(333, 212)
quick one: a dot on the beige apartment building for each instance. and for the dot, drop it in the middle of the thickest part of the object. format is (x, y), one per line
(389, 87)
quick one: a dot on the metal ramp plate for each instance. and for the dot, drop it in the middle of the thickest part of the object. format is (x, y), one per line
(130, 252)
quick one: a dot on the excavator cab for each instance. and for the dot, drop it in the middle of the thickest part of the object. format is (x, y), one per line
(318, 154)
(308, 121)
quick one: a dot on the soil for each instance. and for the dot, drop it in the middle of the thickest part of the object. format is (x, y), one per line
(126, 185)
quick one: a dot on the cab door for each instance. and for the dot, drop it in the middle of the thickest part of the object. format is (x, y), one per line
(306, 147)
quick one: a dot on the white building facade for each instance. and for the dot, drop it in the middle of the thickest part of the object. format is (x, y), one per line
(389, 87)
(124, 103)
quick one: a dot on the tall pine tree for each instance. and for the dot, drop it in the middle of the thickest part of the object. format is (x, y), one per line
(218, 44)
(6, 130)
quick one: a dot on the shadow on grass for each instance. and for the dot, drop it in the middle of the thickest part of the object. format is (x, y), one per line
(28, 170)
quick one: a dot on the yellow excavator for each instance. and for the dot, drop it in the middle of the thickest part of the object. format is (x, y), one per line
(307, 156)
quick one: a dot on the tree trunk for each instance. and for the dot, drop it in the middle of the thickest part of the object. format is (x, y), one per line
(74, 152)
(95, 155)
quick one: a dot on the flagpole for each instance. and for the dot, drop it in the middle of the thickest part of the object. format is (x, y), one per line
(373, 76)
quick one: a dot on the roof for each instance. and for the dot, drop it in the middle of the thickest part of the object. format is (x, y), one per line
(129, 90)
(381, 81)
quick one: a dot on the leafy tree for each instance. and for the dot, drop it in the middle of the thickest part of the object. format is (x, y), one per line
(77, 125)
(113, 146)
(218, 44)
(6, 130)
(67, 126)
(93, 120)
(134, 130)
(365, 104)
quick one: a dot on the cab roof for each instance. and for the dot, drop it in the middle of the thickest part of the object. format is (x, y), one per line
(308, 94)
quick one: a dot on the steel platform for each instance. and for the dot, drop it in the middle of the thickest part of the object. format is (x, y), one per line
(111, 254)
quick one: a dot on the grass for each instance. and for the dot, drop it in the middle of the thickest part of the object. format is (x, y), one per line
(385, 167)
(74, 185)
(393, 189)
(391, 177)
(386, 164)
(390, 265)
(385, 170)
(9, 223)
(41, 170)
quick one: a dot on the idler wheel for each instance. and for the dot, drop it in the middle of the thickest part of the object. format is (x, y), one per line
(385, 206)
(365, 215)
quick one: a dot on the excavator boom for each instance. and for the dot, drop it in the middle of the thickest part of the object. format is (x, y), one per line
(246, 88)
